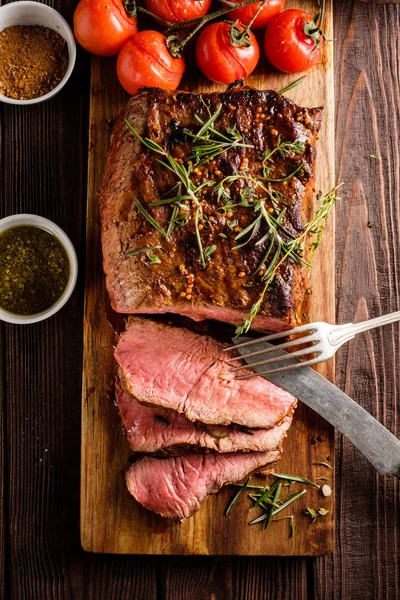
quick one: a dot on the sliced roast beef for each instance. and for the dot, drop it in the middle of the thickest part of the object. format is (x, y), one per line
(178, 369)
(134, 180)
(175, 487)
(159, 430)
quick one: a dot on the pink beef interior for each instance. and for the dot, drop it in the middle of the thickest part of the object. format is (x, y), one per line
(177, 486)
(178, 369)
(153, 429)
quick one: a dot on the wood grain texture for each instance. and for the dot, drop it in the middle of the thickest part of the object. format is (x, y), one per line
(3, 474)
(33, 571)
(111, 521)
(368, 271)
(40, 147)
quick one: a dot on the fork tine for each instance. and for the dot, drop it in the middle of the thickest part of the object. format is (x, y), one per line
(299, 365)
(297, 342)
(289, 355)
(273, 336)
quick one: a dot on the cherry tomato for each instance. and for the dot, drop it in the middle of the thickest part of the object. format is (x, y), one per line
(103, 26)
(246, 13)
(178, 10)
(290, 45)
(145, 61)
(219, 60)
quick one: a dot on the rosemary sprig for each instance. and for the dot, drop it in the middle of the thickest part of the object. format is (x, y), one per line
(267, 516)
(284, 149)
(207, 147)
(255, 498)
(314, 228)
(183, 175)
(272, 511)
(236, 498)
(266, 496)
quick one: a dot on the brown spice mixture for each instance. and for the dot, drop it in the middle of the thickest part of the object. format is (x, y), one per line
(33, 60)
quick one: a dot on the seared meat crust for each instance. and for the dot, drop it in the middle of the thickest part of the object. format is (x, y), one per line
(220, 290)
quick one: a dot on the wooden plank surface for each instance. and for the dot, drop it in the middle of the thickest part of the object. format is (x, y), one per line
(33, 570)
(367, 276)
(111, 521)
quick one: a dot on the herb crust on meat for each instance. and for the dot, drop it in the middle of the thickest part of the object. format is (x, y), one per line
(208, 256)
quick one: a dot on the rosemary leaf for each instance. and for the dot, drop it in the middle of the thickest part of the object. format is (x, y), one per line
(292, 530)
(172, 221)
(282, 179)
(259, 519)
(209, 251)
(266, 495)
(250, 487)
(326, 479)
(292, 85)
(149, 218)
(272, 512)
(153, 259)
(141, 250)
(237, 497)
(310, 512)
(215, 435)
(285, 504)
(296, 478)
(315, 228)
(198, 237)
(324, 464)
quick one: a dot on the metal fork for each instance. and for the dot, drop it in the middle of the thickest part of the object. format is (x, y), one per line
(321, 339)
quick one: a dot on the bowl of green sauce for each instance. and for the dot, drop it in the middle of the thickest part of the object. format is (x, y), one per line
(38, 269)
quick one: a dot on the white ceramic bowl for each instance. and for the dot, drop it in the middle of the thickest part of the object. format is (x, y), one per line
(17, 220)
(35, 13)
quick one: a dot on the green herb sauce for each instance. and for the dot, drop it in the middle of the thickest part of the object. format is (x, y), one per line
(34, 270)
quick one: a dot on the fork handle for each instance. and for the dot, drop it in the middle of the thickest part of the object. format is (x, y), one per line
(343, 333)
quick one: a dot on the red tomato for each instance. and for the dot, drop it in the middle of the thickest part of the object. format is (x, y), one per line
(246, 13)
(178, 10)
(219, 60)
(287, 44)
(103, 26)
(145, 61)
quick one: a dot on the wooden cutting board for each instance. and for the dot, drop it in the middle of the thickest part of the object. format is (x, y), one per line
(111, 520)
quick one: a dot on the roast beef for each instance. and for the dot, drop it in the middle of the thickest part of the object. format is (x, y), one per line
(175, 487)
(159, 430)
(176, 281)
(181, 370)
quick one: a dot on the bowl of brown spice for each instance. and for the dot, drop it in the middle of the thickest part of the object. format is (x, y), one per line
(37, 52)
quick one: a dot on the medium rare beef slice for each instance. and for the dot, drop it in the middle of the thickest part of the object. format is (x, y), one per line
(159, 430)
(181, 370)
(176, 487)
(274, 153)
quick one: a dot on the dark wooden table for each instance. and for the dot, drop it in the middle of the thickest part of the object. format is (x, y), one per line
(43, 170)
